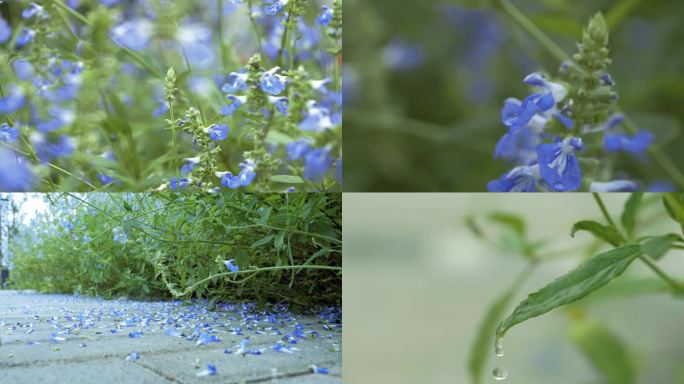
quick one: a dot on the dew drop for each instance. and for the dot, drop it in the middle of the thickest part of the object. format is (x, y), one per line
(559, 186)
(500, 374)
(498, 347)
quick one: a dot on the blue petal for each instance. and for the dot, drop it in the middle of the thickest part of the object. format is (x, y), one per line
(561, 178)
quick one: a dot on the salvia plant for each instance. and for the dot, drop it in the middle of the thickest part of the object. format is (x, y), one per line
(182, 95)
(627, 241)
(263, 248)
(565, 135)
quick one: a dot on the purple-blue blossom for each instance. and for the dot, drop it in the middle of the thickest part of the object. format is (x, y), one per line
(15, 172)
(8, 134)
(317, 163)
(230, 265)
(272, 83)
(5, 31)
(218, 131)
(520, 179)
(558, 164)
(636, 144)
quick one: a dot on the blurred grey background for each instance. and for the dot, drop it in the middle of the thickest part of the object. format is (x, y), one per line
(417, 283)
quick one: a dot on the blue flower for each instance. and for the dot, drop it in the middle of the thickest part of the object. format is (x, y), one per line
(161, 109)
(210, 371)
(231, 267)
(25, 36)
(556, 91)
(275, 7)
(297, 149)
(319, 370)
(132, 34)
(13, 100)
(613, 186)
(218, 132)
(135, 334)
(189, 165)
(105, 179)
(402, 55)
(519, 145)
(559, 166)
(33, 9)
(519, 179)
(320, 85)
(243, 179)
(236, 102)
(317, 163)
(8, 134)
(47, 149)
(23, 69)
(235, 82)
(15, 173)
(325, 17)
(636, 144)
(317, 118)
(280, 103)
(272, 83)
(173, 183)
(5, 31)
(205, 338)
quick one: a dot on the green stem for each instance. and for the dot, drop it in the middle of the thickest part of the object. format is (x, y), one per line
(676, 286)
(255, 27)
(599, 201)
(255, 271)
(663, 162)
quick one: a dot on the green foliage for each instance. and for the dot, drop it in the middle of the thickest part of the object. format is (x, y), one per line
(572, 286)
(656, 247)
(607, 353)
(603, 232)
(629, 213)
(287, 246)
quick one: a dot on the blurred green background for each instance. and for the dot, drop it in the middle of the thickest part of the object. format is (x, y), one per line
(417, 283)
(425, 80)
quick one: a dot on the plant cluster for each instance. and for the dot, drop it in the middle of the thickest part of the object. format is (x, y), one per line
(225, 246)
(149, 94)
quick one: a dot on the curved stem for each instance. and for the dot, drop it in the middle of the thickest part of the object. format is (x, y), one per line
(676, 286)
(599, 201)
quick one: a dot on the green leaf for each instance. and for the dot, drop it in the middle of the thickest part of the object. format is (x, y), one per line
(287, 179)
(512, 221)
(605, 351)
(262, 241)
(581, 281)
(629, 212)
(656, 247)
(603, 232)
(473, 226)
(674, 204)
(280, 241)
(485, 333)
(265, 215)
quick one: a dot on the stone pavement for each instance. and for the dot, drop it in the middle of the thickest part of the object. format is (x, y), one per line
(74, 339)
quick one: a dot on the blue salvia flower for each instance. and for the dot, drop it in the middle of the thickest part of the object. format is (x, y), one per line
(558, 165)
(15, 173)
(33, 10)
(13, 100)
(275, 7)
(317, 163)
(196, 44)
(218, 132)
(243, 179)
(401, 55)
(132, 34)
(317, 118)
(518, 145)
(175, 185)
(297, 149)
(48, 150)
(25, 36)
(231, 266)
(210, 371)
(320, 85)
(5, 31)
(189, 165)
(235, 82)
(8, 134)
(280, 103)
(23, 69)
(272, 83)
(109, 3)
(523, 178)
(613, 186)
(326, 16)
(636, 144)
(236, 102)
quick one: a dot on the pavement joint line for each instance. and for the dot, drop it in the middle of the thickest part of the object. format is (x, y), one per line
(158, 372)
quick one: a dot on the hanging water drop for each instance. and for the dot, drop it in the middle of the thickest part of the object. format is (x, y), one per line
(498, 347)
(500, 374)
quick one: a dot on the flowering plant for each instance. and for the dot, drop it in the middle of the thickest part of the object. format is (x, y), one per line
(145, 94)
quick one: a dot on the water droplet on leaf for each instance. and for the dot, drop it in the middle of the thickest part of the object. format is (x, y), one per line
(500, 374)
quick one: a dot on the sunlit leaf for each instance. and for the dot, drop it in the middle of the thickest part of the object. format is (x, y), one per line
(603, 232)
